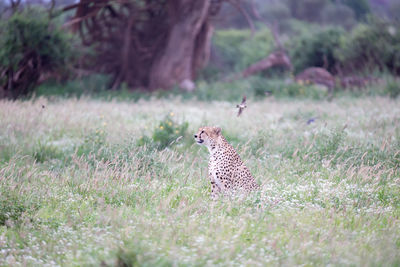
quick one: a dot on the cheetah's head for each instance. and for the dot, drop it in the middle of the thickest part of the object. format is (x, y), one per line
(207, 135)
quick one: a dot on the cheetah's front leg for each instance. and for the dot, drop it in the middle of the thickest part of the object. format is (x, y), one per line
(216, 189)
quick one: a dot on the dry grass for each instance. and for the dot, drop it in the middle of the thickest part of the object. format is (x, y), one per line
(76, 189)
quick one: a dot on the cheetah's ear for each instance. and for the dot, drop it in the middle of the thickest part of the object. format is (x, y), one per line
(217, 130)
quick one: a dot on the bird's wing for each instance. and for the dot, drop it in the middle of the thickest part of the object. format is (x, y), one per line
(244, 99)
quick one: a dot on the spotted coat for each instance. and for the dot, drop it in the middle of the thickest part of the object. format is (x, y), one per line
(226, 170)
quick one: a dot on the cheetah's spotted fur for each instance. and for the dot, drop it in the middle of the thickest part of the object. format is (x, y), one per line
(226, 170)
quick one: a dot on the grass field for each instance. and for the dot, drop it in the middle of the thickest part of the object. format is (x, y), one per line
(89, 182)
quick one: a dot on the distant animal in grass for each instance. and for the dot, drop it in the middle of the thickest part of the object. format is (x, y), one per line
(241, 106)
(226, 170)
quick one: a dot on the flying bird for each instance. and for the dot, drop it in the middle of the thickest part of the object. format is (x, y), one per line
(241, 106)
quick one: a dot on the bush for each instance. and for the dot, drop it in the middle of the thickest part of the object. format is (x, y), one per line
(166, 133)
(30, 45)
(370, 45)
(236, 49)
(393, 89)
(316, 50)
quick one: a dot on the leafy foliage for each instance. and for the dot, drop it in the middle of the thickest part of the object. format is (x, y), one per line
(30, 45)
(166, 133)
(376, 44)
(237, 50)
(393, 88)
(316, 50)
(366, 47)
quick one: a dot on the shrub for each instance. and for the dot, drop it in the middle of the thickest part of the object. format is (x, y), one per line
(369, 45)
(236, 49)
(166, 133)
(30, 45)
(393, 89)
(316, 50)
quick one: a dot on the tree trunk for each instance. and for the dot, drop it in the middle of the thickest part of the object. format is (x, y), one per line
(202, 50)
(147, 44)
(178, 61)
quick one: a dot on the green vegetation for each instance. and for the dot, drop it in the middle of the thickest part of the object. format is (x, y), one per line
(316, 49)
(372, 45)
(78, 188)
(237, 49)
(91, 176)
(30, 45)
(393, 88)
(367, 47)
(257, 86)
(165, 134)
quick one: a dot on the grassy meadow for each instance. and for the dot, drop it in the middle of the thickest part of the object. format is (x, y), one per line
(89, 182)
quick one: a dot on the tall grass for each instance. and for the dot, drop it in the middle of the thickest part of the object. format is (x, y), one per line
(77, 187)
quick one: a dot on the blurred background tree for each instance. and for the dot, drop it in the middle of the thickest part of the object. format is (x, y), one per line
(158, 44)
(147, 44)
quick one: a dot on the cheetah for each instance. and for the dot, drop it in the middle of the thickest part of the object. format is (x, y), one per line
(226, 170)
